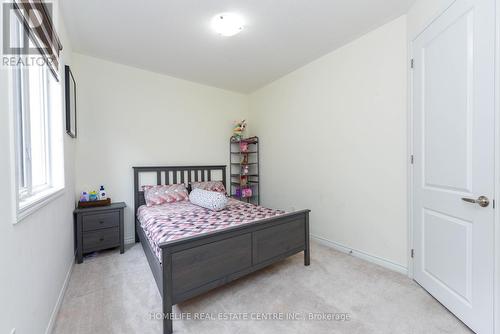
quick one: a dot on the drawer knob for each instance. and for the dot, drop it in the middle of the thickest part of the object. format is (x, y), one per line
(101, 222)
(102, 239)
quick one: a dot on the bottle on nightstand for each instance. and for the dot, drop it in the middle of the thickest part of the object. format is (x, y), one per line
(102, 193)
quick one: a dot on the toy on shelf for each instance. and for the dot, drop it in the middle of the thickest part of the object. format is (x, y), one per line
(243, 181)
(244, 159)
(246, 192)
(244, 169)
(238, 130)
(243, 146)
(243, 192)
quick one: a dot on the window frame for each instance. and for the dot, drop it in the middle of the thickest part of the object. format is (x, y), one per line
(29, 197)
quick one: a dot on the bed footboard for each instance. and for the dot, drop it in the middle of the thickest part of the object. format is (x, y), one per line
(198, 264)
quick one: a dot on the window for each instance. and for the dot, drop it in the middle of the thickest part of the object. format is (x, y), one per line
(38, 116)
(32, 88)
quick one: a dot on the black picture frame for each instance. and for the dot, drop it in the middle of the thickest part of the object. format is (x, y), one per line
(70, 89)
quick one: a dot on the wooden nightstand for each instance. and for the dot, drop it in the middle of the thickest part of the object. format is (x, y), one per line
(98, 228)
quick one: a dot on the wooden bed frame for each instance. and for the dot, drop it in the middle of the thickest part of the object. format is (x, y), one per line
(194, 265)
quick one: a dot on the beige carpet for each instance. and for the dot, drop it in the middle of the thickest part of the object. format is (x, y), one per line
(113, 293)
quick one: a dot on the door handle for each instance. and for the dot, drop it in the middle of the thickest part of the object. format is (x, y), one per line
(483, 201)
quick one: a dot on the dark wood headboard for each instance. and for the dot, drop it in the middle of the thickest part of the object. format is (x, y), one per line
(174, 175)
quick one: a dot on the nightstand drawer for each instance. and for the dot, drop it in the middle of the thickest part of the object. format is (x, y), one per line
(101, 239)
(101, 220)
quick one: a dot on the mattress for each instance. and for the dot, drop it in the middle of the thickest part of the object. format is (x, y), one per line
(179, 220)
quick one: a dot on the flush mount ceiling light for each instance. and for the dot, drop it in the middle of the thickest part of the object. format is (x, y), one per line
(227, 24)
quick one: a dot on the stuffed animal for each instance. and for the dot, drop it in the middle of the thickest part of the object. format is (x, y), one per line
(243, 146)
(243, 181)
(238, 130)
(244, 169)
(246, 192)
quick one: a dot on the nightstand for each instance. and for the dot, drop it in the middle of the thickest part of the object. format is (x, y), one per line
(98, 228)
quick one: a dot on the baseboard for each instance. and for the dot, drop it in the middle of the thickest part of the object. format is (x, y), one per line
(129, 240)
(362, 255)
(57, 306)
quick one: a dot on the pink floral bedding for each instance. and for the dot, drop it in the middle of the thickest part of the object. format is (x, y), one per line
(173, 221)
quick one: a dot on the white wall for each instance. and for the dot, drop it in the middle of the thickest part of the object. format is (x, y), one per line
(36, 253)
(129, 117)
(333, 137)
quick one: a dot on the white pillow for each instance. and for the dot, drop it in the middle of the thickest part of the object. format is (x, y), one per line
(212, 200)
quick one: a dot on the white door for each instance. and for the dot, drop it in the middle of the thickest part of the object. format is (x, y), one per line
(453, 147)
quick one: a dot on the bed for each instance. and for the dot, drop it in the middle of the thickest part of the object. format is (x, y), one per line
(211, 249)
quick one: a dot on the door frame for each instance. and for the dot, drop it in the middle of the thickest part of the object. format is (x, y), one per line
(497, 168)
(410, 195)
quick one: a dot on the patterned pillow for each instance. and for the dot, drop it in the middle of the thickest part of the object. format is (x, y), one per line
(212, 200)
(155, 195)
(217, 186)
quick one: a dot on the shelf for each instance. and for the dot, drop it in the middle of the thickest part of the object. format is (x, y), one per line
(248, 164)
(240, 197)
(239, 184)
(244, 152)
(245, 162)
(251, 140)
(248, 142)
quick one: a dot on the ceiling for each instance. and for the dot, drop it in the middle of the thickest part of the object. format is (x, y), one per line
(174, 37)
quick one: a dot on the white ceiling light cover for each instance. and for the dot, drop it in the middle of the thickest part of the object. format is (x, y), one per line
(228, 24)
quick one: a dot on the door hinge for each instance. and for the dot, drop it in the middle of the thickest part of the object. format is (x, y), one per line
(412, 63)
(412, 253)
(28, 153)
(412, 159)
(493, 203)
